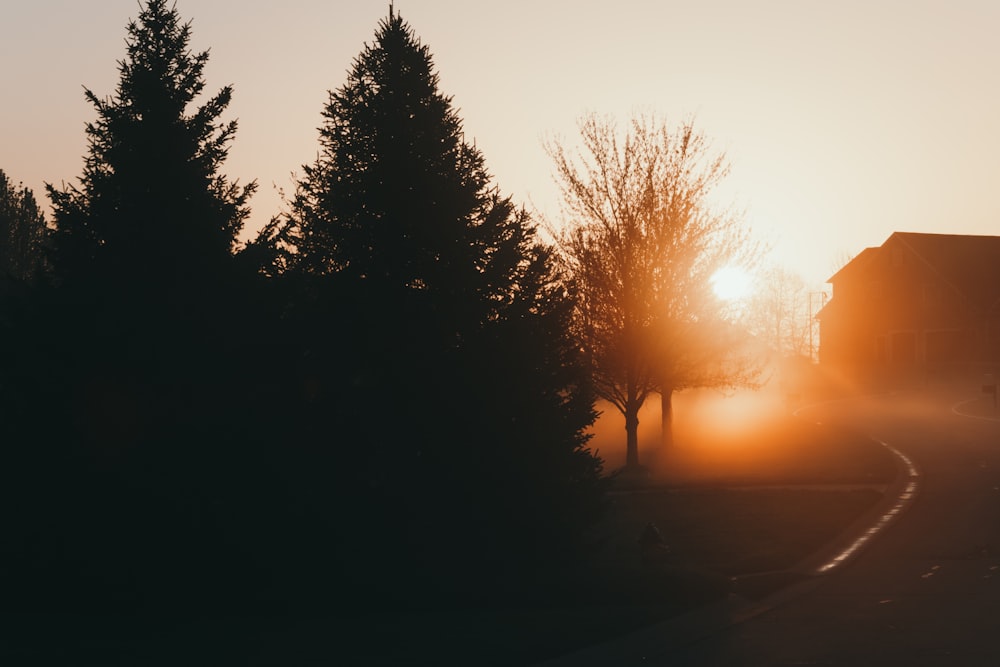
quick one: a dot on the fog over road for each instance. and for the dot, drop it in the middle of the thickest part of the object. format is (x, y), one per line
(924, 592)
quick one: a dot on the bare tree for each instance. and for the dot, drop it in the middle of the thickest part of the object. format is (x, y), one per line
(778, 312)
(641, 243)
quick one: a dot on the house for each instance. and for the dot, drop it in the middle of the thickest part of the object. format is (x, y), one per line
(917, 302)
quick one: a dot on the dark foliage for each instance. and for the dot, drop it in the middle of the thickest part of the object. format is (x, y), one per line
(434, 337)
(151, 204)
(376, 400)
(22, 232)
(148, 299)
(124, 403)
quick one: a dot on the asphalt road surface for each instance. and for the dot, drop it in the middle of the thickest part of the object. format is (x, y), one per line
(926, 591)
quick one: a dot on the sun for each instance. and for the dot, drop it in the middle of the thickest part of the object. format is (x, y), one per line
(731, 283)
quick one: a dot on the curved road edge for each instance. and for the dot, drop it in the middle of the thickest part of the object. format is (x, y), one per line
(675, 633)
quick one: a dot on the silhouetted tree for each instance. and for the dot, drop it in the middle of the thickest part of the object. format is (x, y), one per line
(641, 244)
(151, 205)
(142, 246)
(141, 386)
(22, 236)
(446, 326)
(22, 231)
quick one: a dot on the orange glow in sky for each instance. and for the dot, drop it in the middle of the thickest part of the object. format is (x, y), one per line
(843, 121)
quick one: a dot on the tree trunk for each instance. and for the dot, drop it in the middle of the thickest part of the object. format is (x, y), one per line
(667, 418)
(632, 436)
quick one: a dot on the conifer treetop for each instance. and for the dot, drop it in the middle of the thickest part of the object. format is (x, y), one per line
(150, 194)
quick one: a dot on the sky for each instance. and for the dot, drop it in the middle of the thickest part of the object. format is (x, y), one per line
(843, 121)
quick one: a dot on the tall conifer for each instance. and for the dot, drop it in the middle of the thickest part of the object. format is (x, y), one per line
(151, 207)
(142, 244)
(458, 392)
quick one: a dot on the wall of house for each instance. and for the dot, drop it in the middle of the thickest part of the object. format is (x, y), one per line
(895, 313)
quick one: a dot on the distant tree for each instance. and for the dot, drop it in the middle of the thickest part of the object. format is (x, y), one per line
(151, 208)
(778, 313)
(22, 231)
(446, 319)
(641, 244)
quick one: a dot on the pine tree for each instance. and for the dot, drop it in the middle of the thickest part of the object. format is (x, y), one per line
(396, 198)
(145, 327)
(151, 208)
(142, 247)
(458, 391)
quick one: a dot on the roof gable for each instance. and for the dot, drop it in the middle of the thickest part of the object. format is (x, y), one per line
(856, 264)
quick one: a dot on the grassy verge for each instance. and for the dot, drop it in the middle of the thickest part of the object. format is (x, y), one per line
(713, 535)
(755, 504)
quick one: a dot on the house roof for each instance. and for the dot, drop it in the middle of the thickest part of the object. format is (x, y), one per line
(857, 264)
(861, 260)
(968, 264)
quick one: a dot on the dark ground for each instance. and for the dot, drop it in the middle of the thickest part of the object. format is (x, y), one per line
(736, 513)
(736, 509)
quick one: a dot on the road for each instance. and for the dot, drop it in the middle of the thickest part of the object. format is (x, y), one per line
(924, 592)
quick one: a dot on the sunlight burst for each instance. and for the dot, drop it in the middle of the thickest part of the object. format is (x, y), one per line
(732, 283)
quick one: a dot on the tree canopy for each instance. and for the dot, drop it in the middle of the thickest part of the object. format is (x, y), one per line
(641, 242)
(134, 382)
(441, 319)
(394, 382)
(397, 198)
(151, 203)
(22, 231)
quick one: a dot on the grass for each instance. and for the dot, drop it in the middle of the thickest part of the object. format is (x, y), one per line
(713, 535)
(736, 509)
(737, 532)
(736, 513)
